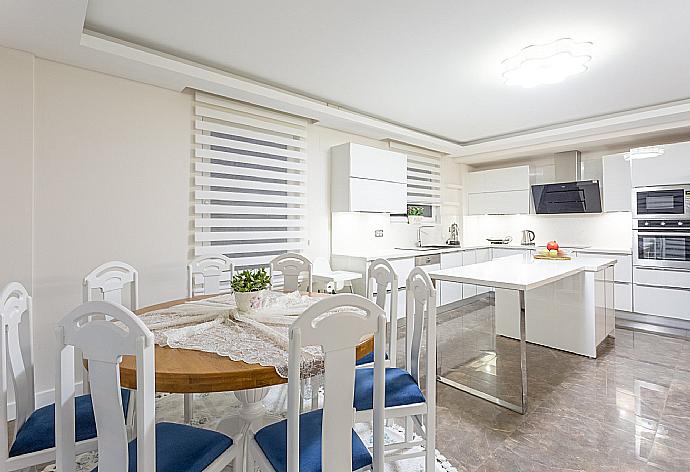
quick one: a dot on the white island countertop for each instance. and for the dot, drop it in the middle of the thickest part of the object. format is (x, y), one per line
(521, 272)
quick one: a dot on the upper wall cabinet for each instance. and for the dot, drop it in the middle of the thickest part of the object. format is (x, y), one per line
(671, 168)
(368, 179)
(617, 184)
(498, 191)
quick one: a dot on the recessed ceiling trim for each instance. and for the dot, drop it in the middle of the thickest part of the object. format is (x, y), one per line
(225, 84)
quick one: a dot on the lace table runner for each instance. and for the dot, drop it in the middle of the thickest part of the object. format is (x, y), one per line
(258, 337)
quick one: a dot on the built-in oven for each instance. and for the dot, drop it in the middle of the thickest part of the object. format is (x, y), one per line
(661, 243)
(667, 202)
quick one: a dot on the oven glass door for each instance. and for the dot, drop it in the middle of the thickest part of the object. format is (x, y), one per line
(661, 202)
(663, 249)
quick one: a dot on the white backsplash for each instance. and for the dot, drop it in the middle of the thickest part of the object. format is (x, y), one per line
(355, 233)
(606, 230)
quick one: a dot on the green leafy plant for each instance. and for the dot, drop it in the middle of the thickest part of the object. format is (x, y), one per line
(251, 280)
(415, 211)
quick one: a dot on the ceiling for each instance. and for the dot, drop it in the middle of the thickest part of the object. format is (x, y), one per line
(431, 66)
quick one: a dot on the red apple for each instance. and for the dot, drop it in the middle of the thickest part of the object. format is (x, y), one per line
(552, 245)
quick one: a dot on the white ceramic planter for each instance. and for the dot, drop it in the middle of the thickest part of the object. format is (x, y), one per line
(244, 300)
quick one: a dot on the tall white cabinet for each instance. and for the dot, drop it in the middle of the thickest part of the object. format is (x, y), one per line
(617, 183)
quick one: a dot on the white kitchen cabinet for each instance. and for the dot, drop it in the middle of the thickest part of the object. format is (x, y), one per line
(451, 292)
(660, 301)
(513, 202)
(372, 196)
(368, 179)
(402, 268)
(498, 180)
(662, 277)
(670, 168)
(622, 277)
(497, 252)
(469, 258)
(498, 191)
(617, 183)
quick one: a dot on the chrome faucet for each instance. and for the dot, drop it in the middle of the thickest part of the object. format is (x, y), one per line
(419, 233)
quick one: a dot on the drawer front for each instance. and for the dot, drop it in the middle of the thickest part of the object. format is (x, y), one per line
(623, 296)
(662, 277)
(673, 303)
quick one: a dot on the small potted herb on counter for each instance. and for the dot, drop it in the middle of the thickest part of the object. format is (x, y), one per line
(247, 284)
(414, 215)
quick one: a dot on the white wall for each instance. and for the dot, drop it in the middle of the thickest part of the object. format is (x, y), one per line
(16, 166)
(606, 230)
(95, 168)
(109, 179)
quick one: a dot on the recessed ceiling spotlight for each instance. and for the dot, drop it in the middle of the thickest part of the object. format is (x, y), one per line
(548, 63)
(643, 152)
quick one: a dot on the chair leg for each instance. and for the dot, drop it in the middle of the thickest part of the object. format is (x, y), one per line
(188, 407)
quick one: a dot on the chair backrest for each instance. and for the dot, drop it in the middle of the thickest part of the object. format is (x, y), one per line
(421, 306)
(337, 324)
(291, 265)
(209, 274)
(110, 279)
(16, 358)
(381, 276)
(104, 332)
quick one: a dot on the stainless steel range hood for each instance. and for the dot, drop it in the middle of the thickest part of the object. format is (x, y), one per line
(569, 193)
(568, 166)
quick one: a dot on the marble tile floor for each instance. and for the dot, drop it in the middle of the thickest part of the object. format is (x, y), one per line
(627, 410)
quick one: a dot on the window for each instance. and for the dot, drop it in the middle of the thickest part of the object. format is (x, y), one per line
(249, 181)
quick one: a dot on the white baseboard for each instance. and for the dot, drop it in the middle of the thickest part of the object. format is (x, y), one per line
(46, 397)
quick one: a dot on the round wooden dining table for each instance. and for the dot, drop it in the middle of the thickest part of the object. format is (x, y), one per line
(189, 371)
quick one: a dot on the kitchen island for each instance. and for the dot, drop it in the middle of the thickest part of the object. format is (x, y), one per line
(566, 305)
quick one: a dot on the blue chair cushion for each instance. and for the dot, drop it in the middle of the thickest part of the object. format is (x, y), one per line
(401, 389)
(38, 432)
(273, 442)
(368, 359)
(182, 448)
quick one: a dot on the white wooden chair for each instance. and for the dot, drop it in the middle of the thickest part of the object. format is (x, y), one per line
(209, 275)
(329, 280)
(104, 332)
(381, 278)
(404, 397)
(33, 439)
(291, 265)
(324, 439)
(109, 281)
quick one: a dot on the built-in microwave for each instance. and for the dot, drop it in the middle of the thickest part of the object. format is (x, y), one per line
(667, 202)
(661, 243)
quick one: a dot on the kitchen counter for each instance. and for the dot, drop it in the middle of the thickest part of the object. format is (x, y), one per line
(520, 272)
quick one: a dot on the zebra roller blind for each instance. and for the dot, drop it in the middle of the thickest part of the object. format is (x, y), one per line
(249, 167)
(423, 175)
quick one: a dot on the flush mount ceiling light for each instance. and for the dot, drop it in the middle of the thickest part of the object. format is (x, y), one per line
(548, 63)
(644, 152)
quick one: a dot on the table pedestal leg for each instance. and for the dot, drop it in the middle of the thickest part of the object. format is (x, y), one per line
(252, 416)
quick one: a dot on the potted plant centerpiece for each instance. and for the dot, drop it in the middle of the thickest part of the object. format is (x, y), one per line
(247, 285)
(414, 215)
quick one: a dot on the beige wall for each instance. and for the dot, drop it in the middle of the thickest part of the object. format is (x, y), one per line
(112, 172)
(16, 165)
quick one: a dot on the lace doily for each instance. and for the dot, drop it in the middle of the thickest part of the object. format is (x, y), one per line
(258, 337)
